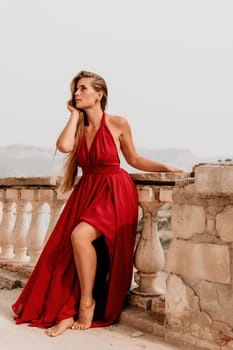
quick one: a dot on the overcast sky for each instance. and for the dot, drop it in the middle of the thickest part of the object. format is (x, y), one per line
(168, 66)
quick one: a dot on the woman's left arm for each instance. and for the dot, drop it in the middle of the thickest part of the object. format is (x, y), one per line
(134, 159)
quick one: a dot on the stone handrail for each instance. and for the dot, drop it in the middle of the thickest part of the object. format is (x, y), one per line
(23, 232)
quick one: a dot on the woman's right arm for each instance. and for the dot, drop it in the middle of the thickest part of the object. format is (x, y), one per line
(66, 140)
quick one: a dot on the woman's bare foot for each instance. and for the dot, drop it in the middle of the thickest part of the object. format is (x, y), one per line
(86, 313)
(60, 327)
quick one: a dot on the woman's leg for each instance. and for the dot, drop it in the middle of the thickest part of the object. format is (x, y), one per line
(86, 261)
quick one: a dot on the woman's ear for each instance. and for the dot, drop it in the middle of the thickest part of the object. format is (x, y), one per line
(100, 95)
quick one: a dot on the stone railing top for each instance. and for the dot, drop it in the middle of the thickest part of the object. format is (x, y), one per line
(151, 187)
(219, 164)
(159, 178)
(156, 178)
(29, 181)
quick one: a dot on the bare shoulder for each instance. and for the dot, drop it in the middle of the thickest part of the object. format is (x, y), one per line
(117, 121)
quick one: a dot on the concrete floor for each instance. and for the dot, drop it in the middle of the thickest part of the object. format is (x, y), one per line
(22, 337)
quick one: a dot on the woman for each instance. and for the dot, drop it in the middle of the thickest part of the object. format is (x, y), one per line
(84, 272)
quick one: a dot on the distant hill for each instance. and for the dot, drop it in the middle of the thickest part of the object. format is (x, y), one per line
(19, 160)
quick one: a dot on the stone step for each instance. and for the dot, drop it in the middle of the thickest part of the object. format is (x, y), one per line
(145, 321)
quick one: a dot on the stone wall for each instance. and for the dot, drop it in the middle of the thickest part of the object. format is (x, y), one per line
(199, 297)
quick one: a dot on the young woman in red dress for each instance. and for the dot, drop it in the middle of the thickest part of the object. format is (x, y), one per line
(84, 272)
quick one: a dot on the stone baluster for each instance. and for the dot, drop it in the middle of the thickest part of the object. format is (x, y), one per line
(35, 236)
(19, 233)
(55, 210)
(149, 255)
(8, 197)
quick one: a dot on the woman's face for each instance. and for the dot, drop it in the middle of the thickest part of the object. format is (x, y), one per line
(85, 95)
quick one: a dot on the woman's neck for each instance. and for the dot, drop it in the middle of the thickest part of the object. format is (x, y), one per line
(94, 116)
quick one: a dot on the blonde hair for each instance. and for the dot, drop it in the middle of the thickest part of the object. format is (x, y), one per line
(71, 163)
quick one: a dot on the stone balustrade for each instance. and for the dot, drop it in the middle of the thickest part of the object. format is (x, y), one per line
(198, 303)
(23, 231)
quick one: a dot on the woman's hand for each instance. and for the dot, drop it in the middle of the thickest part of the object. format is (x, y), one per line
(175, 170)
(71, 108)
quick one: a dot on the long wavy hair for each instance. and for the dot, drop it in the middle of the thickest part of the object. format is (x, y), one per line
(71, 163)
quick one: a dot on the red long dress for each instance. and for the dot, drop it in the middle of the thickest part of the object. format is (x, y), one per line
(106, 198)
